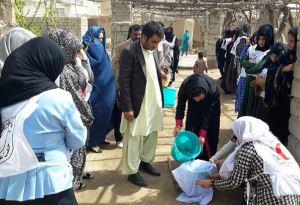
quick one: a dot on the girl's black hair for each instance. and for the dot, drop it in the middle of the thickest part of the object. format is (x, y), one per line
(200, 54)
(197, 92)
(277, 49)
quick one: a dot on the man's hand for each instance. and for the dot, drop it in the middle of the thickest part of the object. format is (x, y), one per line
(129, 116)
(206, 184)
(176, 131)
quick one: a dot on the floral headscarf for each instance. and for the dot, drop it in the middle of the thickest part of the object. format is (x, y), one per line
(67, 40)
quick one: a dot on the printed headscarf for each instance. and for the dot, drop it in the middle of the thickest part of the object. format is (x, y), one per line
(67, 40)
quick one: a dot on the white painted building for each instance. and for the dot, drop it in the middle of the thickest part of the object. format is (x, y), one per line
(64, 8)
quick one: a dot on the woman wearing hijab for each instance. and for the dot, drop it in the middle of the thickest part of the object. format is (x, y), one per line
(229, 67)
(242, 79)
(104, 91)
(252, 66)
(235, 67)
(203, 113)
(73, 80)
(51, 125)
(261, 161)
(13, 39)
(171, 38)
(222, 55)
(278, 117)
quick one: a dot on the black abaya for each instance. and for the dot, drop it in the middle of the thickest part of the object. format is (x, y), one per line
(203, 116)
(278, 117)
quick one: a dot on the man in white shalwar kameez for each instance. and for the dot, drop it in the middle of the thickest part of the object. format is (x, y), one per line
(141, 104)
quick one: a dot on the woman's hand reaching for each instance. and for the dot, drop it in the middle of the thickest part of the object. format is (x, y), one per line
(176, 131)
(206, 184)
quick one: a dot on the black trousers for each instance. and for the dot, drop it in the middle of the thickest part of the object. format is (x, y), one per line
(63, 198)
(116, 117)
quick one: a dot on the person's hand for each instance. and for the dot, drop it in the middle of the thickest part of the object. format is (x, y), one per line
(216, 176)
(202, 140)
(164, 76)
(260, 81)
(247, 42)
(219, 163)
(206, 184)
(78, 61)
(129, 116)
(83, 53)
(257, 83)
(288, 68)
(253, 83)
(176, 131)
(79, 55)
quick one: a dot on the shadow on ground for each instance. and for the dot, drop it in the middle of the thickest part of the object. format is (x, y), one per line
(110, 187)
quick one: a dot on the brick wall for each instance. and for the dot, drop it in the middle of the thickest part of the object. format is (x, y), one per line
(104, 21)
(77, 25)
(121, 20)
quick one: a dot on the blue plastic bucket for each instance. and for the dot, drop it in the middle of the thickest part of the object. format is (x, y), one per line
(186, 147)
(169, 97)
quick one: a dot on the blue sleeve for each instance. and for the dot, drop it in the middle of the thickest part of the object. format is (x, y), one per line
(76, 132)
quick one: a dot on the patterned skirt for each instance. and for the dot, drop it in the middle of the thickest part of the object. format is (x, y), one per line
(240, 93)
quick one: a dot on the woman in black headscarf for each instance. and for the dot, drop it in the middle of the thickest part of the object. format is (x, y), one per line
(253, 64)
(222, 55)
(28, 80)
(203, 114)
(229, 63)
(171, 38)
(279, 115)
(52, 126)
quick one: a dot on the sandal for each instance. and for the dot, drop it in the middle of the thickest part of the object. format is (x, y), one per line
(96, 149)
(87, 176)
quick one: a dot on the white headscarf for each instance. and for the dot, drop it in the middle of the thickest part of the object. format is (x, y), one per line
(278, 162)
(13, 39)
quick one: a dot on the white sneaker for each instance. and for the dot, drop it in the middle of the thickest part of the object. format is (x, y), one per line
(119, 144)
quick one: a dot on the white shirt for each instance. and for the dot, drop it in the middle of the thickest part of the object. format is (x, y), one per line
(150, 118)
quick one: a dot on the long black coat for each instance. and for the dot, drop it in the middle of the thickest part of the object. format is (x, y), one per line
(278, 117)
(203, 115)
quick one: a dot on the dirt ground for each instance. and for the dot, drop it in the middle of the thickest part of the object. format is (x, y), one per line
(110, 187)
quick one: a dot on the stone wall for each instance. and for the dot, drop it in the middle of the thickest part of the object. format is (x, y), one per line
(77, 25)
(121, 20)
(294, 139)
(7, 16)
(212, 32)
(104, 21)
(199, 34)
